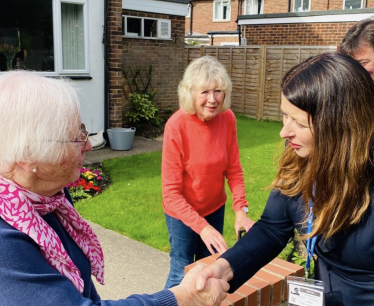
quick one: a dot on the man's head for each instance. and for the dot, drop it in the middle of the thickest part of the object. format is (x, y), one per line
(358, 42)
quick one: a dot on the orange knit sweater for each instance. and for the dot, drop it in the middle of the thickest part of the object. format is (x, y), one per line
(197, 156)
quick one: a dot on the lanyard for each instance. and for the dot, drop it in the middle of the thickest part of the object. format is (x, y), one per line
(310, 243)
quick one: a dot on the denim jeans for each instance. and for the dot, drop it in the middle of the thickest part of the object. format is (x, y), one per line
(186, 246)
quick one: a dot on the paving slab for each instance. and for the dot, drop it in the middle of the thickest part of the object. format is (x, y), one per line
(130, 266)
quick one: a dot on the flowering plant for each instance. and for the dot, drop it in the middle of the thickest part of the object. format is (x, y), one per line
(90, 183)
(9, 50)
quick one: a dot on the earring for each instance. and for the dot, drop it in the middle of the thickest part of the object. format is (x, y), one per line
(34, 170)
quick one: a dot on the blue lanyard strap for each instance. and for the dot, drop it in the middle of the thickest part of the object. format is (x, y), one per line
(310, 243)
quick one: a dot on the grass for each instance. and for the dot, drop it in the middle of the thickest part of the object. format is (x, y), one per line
(131, 205)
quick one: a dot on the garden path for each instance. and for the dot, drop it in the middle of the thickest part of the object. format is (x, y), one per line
(130, 266)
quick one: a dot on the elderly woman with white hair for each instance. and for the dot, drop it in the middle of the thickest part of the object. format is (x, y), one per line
(47, 250)
(200, 151)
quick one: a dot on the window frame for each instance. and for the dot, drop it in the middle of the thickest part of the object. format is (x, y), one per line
(348, 8)
(246, 7)
(160, 21)
(302, 2)
(57, 41)
(57, 37)
(222, 6)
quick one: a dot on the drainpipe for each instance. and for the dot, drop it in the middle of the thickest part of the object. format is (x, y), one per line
(240, 4)
(289, 6)
(191, 16)
(106, 65)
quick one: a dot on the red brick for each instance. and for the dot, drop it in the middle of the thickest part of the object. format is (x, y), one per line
(298, 270)
(276, 285)
(236, 299)
(250, 294)
(263, 289)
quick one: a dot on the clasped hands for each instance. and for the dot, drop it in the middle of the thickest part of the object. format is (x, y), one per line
(204, 285)
(212, 291)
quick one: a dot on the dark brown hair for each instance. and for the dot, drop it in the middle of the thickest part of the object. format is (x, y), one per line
(337, 93)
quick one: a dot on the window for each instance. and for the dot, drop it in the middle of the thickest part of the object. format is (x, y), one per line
(301, 6)
(254, 7)
(188, 10)
(222, 9)
(44, 35)
(146, 27)
(352, 4)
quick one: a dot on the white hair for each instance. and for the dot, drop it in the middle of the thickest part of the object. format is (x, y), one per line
(205, 72)
(35, 114)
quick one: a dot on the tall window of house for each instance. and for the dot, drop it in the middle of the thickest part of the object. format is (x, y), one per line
(222, 9)
(43, 35)
(253, 7)
(72, 29)
(301, 6)
(352, 4)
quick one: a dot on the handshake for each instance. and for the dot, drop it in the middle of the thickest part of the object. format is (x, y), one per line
(204, 285)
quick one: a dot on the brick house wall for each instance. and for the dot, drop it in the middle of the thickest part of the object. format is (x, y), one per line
(276, 6)
(167, 58)
(202, 21)
(114, 63)
(273, 34)
(301, 34)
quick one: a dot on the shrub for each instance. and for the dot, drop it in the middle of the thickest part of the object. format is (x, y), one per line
(142, 108)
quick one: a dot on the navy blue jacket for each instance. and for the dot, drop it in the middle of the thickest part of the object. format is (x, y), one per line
(345, 262)
(26, 278)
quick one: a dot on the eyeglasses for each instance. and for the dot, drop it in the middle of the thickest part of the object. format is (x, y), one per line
(85, 135)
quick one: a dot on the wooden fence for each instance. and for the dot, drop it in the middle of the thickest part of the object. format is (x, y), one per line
(256, 73)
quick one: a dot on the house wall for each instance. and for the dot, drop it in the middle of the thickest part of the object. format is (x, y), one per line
(202, 21)
(302, 34)
(91, 91)
(114, 65)
(276, 6)
(299, 34)
(167, 58)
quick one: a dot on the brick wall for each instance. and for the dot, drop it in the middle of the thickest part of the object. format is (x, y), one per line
(276, 6)
(267, 287)
(202, 21)
(309, 34)
(167, 58)
(114, 64)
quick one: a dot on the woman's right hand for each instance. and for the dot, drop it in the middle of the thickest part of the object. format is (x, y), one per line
(213, 239)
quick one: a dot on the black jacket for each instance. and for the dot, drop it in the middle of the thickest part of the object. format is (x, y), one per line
(345, 262)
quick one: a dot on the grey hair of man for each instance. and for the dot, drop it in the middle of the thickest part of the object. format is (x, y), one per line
(36, 114)
(203, 73)
(362, 33)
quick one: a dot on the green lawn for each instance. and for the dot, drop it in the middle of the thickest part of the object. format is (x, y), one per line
(132, 203)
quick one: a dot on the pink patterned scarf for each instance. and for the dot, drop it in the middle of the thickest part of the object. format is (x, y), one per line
(23, 209)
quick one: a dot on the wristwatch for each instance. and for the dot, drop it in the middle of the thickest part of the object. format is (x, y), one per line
(245, 209)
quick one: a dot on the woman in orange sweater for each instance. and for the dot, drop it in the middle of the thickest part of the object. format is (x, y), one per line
(200, 150)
